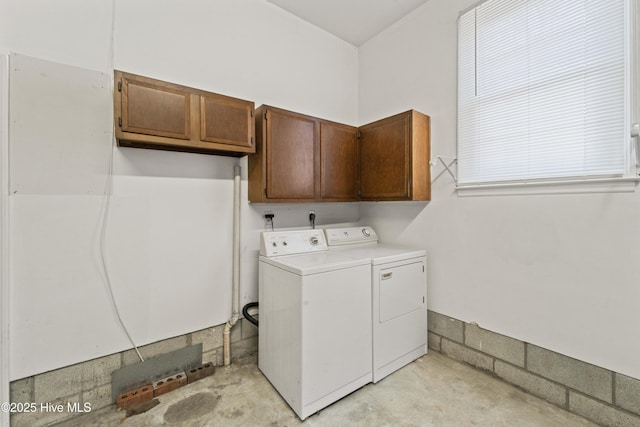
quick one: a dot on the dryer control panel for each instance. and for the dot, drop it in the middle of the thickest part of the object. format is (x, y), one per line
(276, 243)
(350, 235)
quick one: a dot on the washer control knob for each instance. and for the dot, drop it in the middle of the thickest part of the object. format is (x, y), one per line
(274, 244)
(284, 243)
(313, 240)
(366, 232)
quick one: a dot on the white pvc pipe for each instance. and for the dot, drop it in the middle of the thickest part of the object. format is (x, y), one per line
(236, 268)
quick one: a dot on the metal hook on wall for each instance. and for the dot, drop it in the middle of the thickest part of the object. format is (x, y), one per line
(447, 162)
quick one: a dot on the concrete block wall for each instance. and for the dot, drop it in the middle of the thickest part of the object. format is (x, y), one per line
(600, 395)
(605, 397)
(90, 382)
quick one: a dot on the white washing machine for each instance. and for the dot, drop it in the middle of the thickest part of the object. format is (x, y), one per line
(399, 296)
(314, 340)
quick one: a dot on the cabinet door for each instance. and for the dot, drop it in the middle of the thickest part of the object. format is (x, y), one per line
(226, 120)
(385, 163)
(291, 154)
(338, 161)
(157, 109)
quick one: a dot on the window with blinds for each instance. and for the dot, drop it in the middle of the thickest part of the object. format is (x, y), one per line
(542, 90)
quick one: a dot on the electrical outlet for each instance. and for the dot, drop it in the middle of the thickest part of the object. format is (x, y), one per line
(268, 216)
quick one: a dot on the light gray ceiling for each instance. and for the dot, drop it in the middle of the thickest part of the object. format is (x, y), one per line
(354, 21)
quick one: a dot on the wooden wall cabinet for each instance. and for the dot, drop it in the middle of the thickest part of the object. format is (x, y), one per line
(338, 162)
(394, 155)
(154, 114)
(301, 158)
(283, 167)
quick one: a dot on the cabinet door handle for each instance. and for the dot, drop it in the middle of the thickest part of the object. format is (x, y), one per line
(386, 276)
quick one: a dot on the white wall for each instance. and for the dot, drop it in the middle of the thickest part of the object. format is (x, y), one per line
(558, 271)
(168, 231)
(249, 49)
(74, 32)
(4, 230)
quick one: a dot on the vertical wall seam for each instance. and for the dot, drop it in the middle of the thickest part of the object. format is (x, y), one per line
(613, 389)
(464, 333)
(5, 365)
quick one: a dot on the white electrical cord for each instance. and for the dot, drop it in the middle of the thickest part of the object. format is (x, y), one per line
(107, 194)
(103, 233)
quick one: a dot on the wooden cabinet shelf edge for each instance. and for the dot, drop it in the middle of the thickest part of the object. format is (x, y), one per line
(151, 113)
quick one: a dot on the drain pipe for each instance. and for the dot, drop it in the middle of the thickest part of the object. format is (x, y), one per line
(236, 267)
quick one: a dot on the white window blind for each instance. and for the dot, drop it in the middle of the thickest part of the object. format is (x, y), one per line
(541, 91)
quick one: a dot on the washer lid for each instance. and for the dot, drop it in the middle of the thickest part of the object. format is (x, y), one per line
(317, 262)
(382, 253)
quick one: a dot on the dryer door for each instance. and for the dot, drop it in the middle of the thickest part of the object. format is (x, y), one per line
(402, 290)
(399, 315)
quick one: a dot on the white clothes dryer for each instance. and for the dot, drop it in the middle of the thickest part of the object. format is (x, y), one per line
(314, 340)
(399, 296)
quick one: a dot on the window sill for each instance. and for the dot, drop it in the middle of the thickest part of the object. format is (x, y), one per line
(603, 185)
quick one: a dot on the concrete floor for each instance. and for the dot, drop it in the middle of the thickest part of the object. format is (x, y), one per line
(432, 391)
